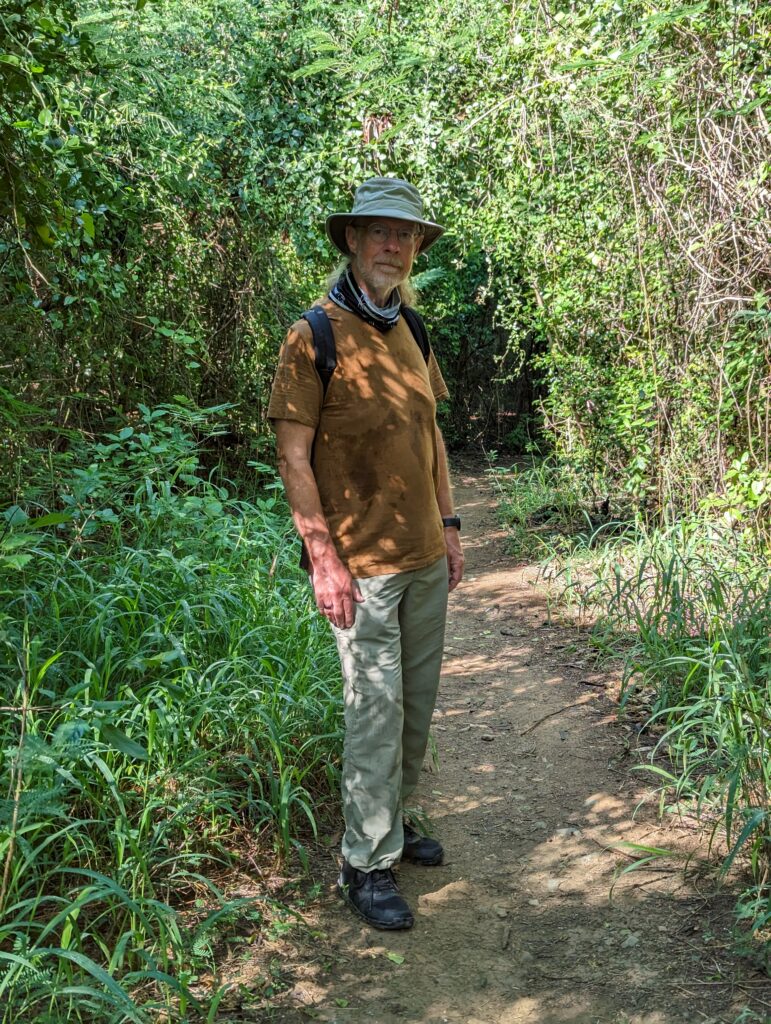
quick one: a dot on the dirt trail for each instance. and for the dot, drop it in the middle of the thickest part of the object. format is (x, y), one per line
(532, 790)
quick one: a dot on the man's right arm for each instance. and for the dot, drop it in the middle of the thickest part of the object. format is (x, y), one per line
(335, 589)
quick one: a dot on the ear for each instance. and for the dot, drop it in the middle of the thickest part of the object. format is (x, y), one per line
(351, 238)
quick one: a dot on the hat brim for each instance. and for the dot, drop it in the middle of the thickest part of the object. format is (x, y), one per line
(336, 224)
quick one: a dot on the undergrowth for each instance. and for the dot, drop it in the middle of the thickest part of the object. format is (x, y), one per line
(688, 609)
(170, 700)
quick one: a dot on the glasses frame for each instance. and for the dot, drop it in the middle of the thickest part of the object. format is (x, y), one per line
(415, 234)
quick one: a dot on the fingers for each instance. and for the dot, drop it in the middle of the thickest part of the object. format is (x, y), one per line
(343, 611)
(455, 562)
(347, 612)
(337, 601)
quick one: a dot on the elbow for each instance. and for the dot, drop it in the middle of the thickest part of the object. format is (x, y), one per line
(292, 465)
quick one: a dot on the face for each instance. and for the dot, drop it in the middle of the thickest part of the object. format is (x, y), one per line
(380, 260)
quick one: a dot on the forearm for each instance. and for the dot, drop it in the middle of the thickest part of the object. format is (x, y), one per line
(302, 493)
(444, 488)
(444, 500)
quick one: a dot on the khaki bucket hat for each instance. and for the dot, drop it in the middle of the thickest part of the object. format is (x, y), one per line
(383, 197)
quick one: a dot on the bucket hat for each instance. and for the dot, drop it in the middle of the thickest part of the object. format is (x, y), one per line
(383, 197)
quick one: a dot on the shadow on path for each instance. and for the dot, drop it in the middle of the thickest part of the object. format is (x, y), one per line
(532, 795)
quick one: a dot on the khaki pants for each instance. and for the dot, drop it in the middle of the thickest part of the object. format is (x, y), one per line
(391, 659)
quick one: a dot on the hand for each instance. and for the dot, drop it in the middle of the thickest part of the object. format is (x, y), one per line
(337, 592)
(455, 557)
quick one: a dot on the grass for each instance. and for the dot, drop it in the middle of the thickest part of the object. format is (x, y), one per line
(688, 608)
(542, 504)
(169, 699)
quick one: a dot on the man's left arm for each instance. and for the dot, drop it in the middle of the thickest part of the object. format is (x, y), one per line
(455, 557)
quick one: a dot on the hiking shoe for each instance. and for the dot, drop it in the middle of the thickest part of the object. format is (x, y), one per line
(375, 897)
(421, 849)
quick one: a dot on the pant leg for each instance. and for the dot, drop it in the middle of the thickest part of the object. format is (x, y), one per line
(422, 616)
(370, 658)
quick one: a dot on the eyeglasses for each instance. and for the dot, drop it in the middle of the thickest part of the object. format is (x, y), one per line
(380, 234)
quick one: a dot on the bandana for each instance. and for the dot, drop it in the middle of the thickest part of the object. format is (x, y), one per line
(348, 295)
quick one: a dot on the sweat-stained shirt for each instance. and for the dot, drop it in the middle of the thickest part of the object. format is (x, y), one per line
(375, 455)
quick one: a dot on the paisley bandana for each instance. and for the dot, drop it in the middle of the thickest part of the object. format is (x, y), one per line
(348, 295)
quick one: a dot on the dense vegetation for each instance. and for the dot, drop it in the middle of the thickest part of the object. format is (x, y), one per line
(601, 297)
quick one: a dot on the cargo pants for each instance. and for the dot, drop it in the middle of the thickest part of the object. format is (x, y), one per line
(391, 659)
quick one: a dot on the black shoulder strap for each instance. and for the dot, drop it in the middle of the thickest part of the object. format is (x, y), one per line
(323, 344)
(418, 328)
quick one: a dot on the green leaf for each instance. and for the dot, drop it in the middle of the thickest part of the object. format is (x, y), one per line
(395, 958)
(45, 234)
(130, 1010)
(15, 515)
(315, 68)
(52, 519)
(754, 823)
(88, 224)
(16, 540)
(15, 561)
(113, 737)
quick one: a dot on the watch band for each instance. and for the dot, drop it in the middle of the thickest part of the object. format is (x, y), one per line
(453, 521)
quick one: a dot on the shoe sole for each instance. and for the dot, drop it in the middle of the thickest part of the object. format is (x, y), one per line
(396, 927)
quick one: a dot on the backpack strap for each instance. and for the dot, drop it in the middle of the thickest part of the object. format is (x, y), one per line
(324, 340)
(418, 328)
(323, 344)
(325, 358)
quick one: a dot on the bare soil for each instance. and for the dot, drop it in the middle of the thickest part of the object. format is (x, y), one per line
(532, 792)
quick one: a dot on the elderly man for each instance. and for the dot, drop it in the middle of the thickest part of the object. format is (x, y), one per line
(365, 472)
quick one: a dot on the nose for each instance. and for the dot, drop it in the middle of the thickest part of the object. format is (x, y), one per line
(392, 242)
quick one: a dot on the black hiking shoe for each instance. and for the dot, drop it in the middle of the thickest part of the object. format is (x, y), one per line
(421, 849)
(375, 897)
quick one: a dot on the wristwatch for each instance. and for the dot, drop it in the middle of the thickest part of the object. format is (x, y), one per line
(453, 521)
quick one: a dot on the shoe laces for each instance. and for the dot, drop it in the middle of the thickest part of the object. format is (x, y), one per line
(383, 880)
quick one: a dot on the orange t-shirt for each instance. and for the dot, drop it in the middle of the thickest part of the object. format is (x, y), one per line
(375, 456)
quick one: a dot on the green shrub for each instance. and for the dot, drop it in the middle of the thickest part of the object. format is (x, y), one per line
(171, 692)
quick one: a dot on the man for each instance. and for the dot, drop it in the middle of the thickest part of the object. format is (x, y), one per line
(366, 477)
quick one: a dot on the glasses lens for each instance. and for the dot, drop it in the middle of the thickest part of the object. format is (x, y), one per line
(380, 234)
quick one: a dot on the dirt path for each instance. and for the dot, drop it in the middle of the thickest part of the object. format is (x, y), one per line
(533, 788)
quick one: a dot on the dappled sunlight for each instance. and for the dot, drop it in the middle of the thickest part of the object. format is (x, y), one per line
(463, 803)
(532, 917)
(375, 454)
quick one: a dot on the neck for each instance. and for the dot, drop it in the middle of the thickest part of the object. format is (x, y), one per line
(378, 296)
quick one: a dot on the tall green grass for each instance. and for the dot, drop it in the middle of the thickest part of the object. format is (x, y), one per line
(688, 608)
(169, 697)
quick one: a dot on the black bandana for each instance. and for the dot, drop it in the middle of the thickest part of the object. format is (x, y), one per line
(348, 295)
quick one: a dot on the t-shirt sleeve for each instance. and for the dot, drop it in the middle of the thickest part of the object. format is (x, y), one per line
(438, 385)
(297, 393)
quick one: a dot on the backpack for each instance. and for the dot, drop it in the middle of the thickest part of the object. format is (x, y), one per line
(324, 339)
